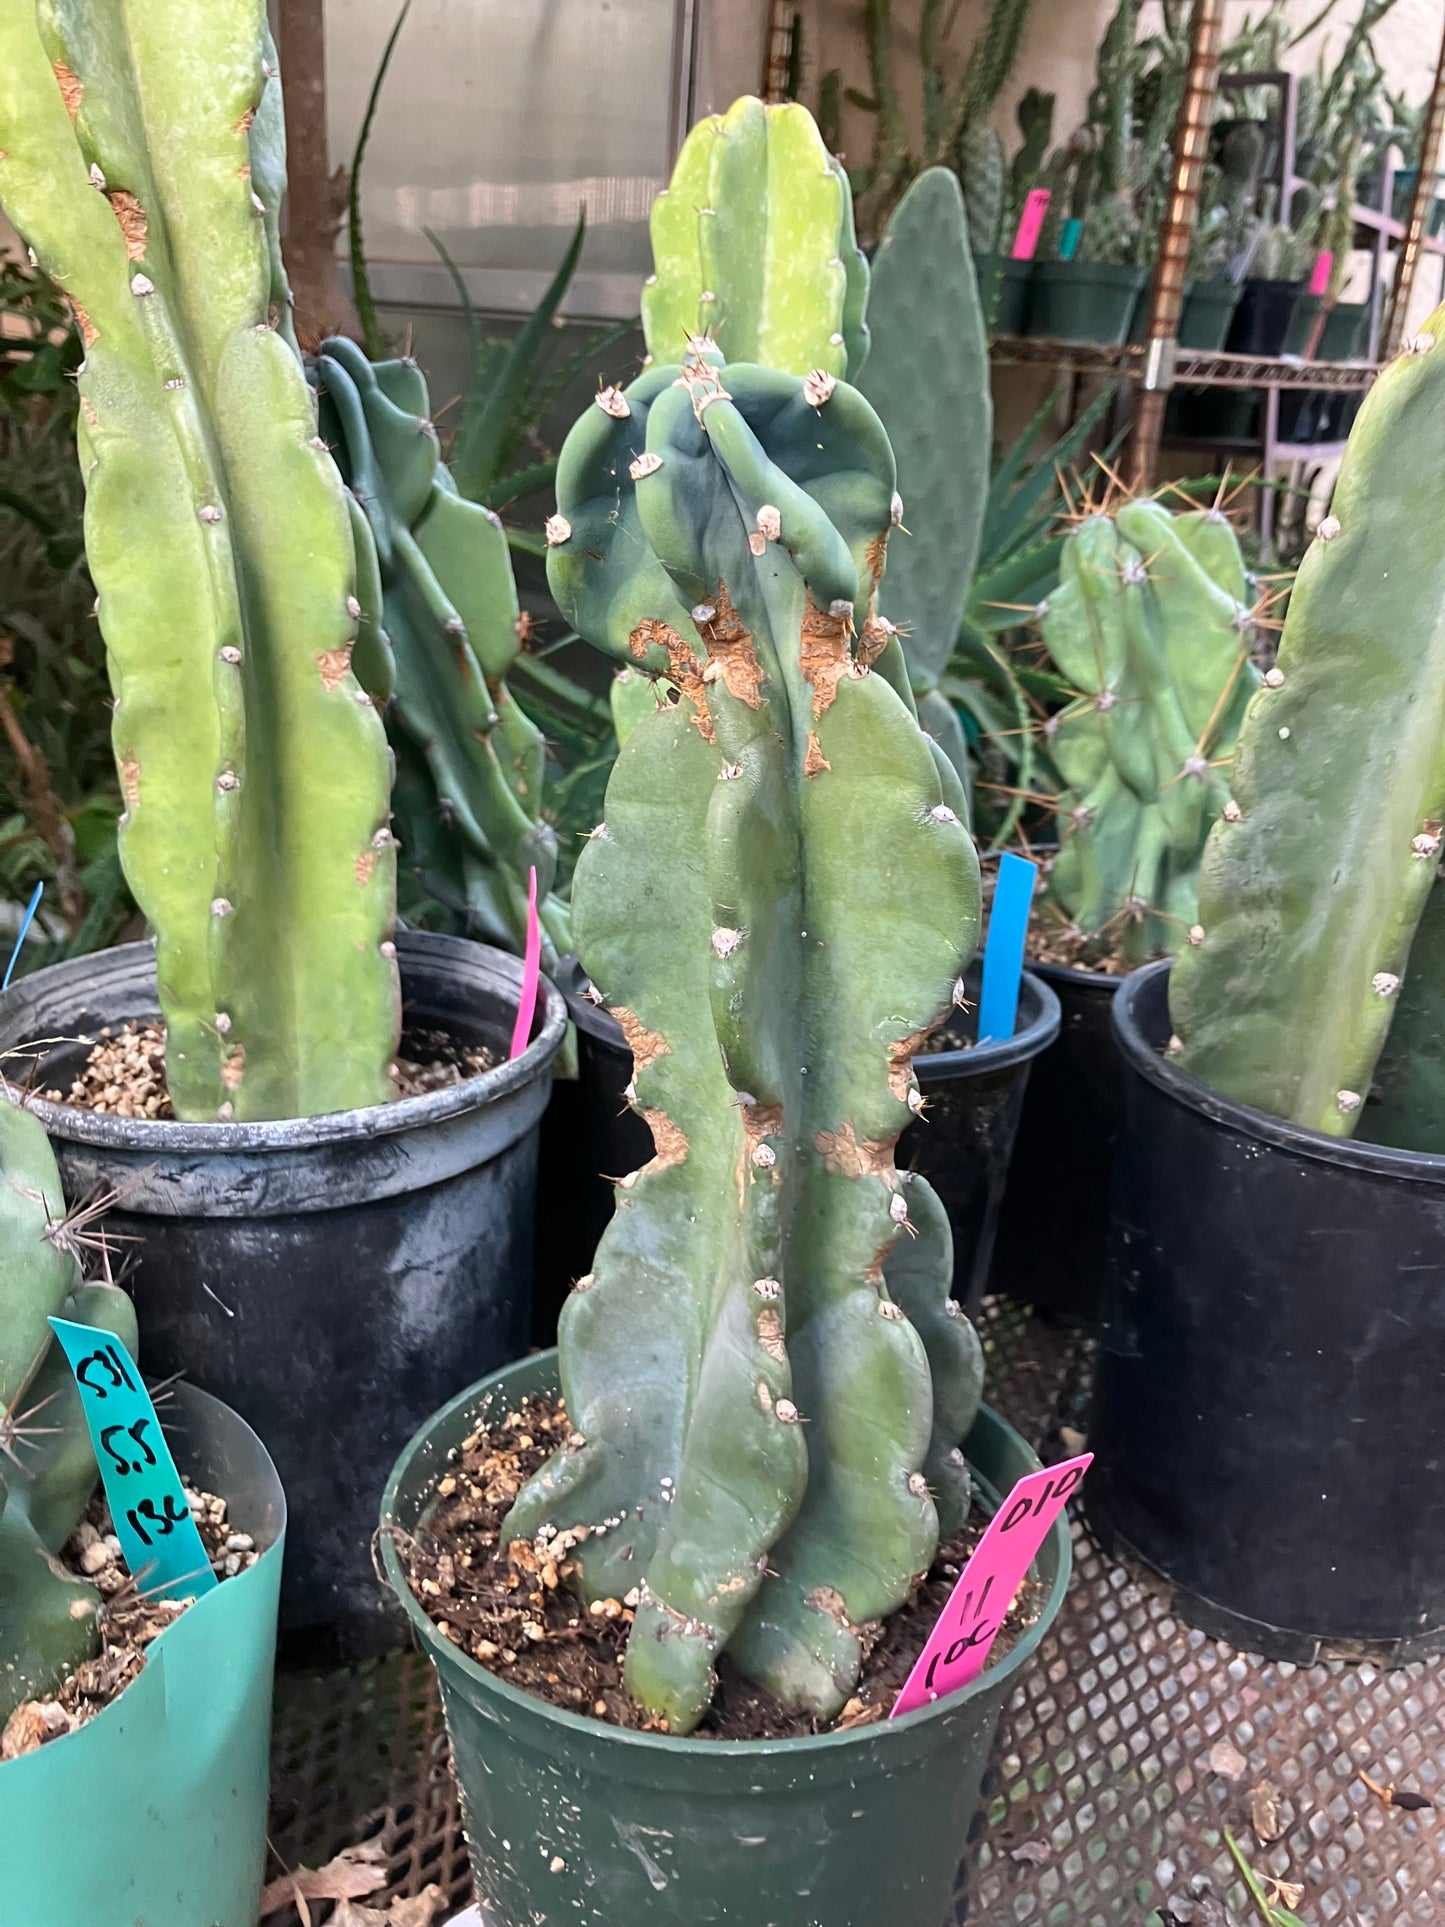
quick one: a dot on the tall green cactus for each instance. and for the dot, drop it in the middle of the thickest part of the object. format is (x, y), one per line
(141, 156)
(753, 241)
(48, 1622)
(928, 377)
(768, 1389)
(1152, 627)
(1314, 883)
(452, 624)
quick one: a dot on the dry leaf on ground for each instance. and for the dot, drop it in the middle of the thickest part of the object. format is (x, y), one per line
(355, 1871)
(1227, 1760)
(418, 1911)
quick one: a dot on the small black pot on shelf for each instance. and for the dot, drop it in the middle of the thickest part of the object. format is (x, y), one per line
(1262, 319)
(1269, 1388)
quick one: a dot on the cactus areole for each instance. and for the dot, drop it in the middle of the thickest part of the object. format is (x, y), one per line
(142, 157)
(767, 1377)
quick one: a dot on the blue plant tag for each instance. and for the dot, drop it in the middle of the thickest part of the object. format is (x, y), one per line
(1003, 951)
(148, 1503)
(25, 922)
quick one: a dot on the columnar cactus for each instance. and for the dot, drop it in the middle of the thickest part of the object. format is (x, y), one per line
(752, 241)
(48, 1623)
(141, 156)
(768, 1379)
(1316, 877)
(1152, 628)
(450, 627)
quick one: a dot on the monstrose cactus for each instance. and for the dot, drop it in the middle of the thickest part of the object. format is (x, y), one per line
(1151, 626)
(450, 628)
(142, 158)
(1319, 913)
(768, 1379)
(48, 1623)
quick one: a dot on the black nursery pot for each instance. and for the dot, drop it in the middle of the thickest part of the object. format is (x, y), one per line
(964, 1142)
(1262, 319)
(1268, 1407)
(332, 1278)
(1054, 1227)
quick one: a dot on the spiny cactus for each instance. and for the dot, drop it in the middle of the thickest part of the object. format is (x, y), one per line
(141, 156)
(448, 608)
(768, 1378)
(1152, 627)
(983, 175)
(753, 241)
(928, 377)
(1315, 879)
(48, 1622)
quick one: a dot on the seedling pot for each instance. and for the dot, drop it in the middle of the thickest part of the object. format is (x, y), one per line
(964, 1142)
(1208, 311)
(1346, 326)
(155, 1811)
(1054, 1225)
(570, 1819)
(332, 1277)
(1262, 319)
(1004, 289)
(1084, 300)
(1269, 1390)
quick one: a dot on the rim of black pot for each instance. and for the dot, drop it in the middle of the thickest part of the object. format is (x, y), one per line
(1076, 974)
(156, 1136)
(1383, 1160)
(602, 1730)
(1035, 1034)
(595, 1019)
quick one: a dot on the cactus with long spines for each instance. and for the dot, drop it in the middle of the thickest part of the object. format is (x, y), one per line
(451, 624)
(1315, 881)
(752, 241)
(768, 1379)
(141, 157)
(1152, 626)
(48, 1622)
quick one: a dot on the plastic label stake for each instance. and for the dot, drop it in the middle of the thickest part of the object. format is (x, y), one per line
(531, 969)
(1069, 238)
(1003, 950)
(148, 1503)
(1031, 221)
(25, 922)
(1320, 275)
(959, 1644)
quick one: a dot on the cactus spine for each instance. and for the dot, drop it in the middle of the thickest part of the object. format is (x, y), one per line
(47, 1469)
(1313, 885)
(753, 241)
(141, 156)
(447, 607)
(1150, 626)
(725, 526)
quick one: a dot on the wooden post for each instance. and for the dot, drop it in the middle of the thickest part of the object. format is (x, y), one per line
(1421, 202)
(315, 196)
(1166, 291)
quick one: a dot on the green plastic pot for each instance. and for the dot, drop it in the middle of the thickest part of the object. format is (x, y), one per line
(572, 1820)
(154, 1814)
(1003, 291)
(1344, 333)
(1208, 310)
(1084, 300)
(1302, 319)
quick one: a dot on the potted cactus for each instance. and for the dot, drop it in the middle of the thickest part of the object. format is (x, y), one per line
(1151, 627)
(170, 1778)
(256, 835)
(769, 1313)
(1275, 1310)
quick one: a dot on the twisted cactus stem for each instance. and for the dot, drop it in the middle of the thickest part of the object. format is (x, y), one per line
(141, 156)
(48, 1622)
(755, 1406)
(752, 241)
(1313, 884)
(1151, 627)
(446, 602)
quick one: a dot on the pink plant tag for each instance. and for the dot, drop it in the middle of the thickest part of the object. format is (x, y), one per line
(1031, 221)
(531, 970)
(968, 1625)
(1320, 274)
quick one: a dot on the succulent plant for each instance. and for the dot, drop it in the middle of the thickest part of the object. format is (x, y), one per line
(1318, 922)
(768, 1379)
(48, 1622)
(142, 158)
(450, 627)
(1151, 625)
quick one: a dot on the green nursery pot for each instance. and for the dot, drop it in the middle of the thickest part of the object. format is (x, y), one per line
(1208, 310)
(154, 1814)
(1084, 300)
(1003, 290)
(572, 1820)
(1302, 319)
(1346, 327)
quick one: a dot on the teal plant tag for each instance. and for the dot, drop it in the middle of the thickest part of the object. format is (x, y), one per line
(148, 1503)
(1069, 239)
